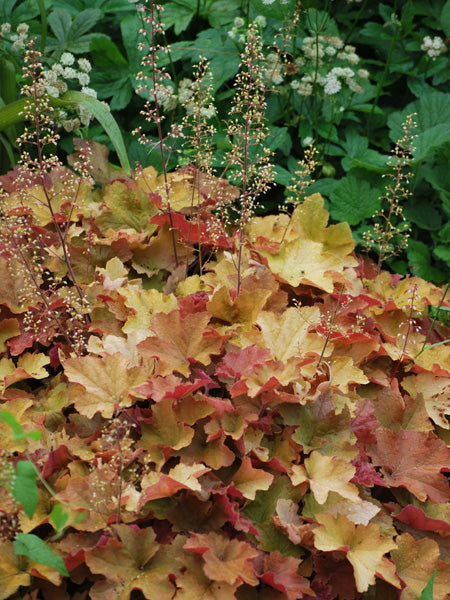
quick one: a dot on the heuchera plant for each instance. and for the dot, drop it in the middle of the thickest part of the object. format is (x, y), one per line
(186, 440)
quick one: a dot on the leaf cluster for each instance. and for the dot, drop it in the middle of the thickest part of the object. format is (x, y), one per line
(284, 441)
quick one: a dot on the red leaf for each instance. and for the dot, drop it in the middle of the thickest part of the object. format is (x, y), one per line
(280, 572)
(415, 517)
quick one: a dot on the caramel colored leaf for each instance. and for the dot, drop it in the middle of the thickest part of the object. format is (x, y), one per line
(312, 252)
(125, 207)
(346, 373)
(108, 383)
(326, 474)
(121, 563)
(287, 335)
(12, 572)
(364, 545)
(415, 561)
(436, 393)
(193, 584)
(249, 480)
(179, 338)
(9, 328)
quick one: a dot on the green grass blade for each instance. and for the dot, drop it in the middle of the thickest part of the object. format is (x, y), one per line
(13, 113)
(427, 593)
(106, 120)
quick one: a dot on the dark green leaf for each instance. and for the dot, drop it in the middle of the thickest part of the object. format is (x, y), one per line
(445, 18)
(419, 257)
(354, 200)
(424, 215)
(105, 53)
(30, 545)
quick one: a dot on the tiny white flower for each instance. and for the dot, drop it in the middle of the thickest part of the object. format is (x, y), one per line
(5, 28)
(332, 85)
(307, 141)
(353, 58)
(58, 69)
(61, 86)
(89, 92)
(50, 77)
(67, 58)
(52, 91)
(261, 21)
(238, 22)
(18, 45)
(22, 29)
(268, 1)
(363, 73)
(84, 65)
(305, 89)
(69, 73)
(84, 79)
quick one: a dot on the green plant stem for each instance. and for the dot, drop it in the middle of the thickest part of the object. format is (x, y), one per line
(43, 12)
(382, 79)
(361, 9)
(424, 346)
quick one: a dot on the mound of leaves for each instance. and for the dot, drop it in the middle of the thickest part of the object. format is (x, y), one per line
(287, 441)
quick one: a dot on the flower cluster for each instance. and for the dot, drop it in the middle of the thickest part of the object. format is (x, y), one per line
(55, 83)
(17, 39)
(433, 46)
(239, 30)
(316, 60)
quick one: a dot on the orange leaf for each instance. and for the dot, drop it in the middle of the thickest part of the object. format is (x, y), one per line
(225, 560)
(281, 573)
(414, 460)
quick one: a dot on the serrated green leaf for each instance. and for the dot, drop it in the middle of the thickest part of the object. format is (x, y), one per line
(25, 488)
(60, 22)
(354, 200)
(445, 18)
(84, 21)
(30, 545)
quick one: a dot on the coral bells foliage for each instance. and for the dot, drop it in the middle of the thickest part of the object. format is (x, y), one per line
(286, 441)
